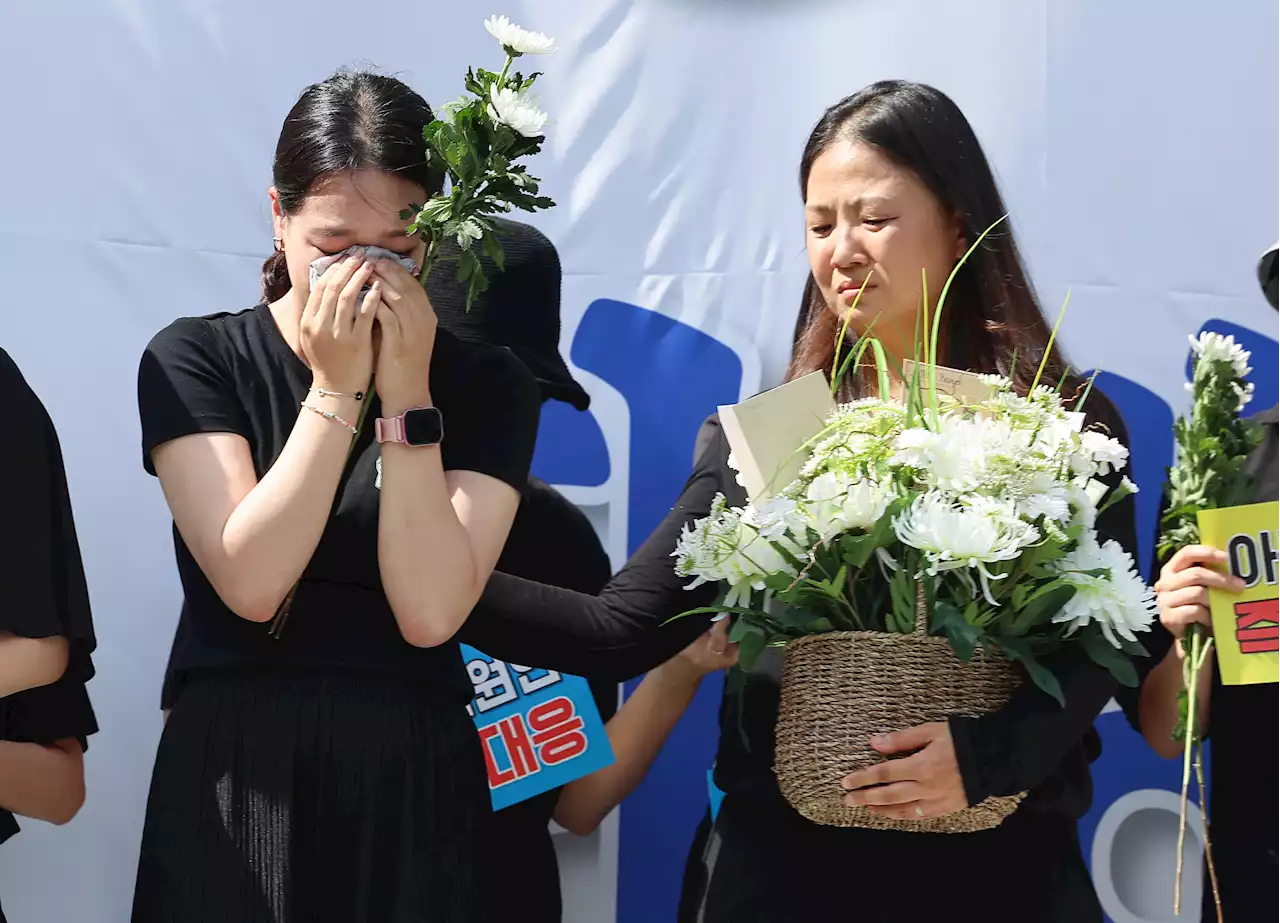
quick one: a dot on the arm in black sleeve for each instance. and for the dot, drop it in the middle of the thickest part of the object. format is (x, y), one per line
(619, 633)
(1017, 747)
(1157, 642)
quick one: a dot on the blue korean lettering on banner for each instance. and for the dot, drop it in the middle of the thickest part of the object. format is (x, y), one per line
(539, 729)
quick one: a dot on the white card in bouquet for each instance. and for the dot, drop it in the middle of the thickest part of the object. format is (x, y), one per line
(765, 432)
(966, 386)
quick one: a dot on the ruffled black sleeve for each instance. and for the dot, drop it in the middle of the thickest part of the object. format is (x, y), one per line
(42, 585)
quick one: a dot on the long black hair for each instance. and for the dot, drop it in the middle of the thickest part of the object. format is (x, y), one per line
(355, 120)
(991, 314)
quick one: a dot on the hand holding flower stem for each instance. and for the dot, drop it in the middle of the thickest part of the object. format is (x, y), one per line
(1212, 445)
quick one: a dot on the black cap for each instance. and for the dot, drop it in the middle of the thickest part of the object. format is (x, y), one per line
(1267, 274)
(520, 310)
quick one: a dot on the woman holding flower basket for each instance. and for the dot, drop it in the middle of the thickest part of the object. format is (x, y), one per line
(895, 184)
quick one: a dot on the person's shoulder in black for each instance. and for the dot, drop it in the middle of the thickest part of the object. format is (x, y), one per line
(40, 565)
(489, 401)
(552, 541)
(189, 374)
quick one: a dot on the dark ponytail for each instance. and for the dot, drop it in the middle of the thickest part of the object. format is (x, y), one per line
(355, 120)
(275, 277)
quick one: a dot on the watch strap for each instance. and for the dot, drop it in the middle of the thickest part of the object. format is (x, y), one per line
(389, 429)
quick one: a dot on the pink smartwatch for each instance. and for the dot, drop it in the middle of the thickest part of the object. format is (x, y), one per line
(418, 426)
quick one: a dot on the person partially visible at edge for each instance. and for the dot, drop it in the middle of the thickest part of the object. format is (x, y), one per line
(1240, 721)
(554, 543)
(46, 627)
(329, 771)
(894, 181)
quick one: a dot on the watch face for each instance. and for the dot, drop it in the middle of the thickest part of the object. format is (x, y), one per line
(423, 426)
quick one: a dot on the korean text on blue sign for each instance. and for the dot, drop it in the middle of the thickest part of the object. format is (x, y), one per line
(539, 729)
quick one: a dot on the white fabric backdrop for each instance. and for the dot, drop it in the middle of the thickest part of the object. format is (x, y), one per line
(1137, 147)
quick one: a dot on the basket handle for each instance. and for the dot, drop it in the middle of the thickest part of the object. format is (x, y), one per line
(922, 611)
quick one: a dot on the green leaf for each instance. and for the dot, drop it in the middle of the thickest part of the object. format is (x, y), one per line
(857, 549)
(1134, 648)
(465, 267)
(493, 250)
(951, 622)
(749, 648)
(1042, 605)
(1102, 653)
(1019, 650)
(716, 610)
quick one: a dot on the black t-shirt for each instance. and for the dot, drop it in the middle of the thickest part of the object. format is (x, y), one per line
(554, 543)
(42, 586)
(1032, 744)
(1244, 778)
(235, 373)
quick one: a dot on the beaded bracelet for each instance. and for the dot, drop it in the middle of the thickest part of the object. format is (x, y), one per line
(329, 415)
(359, 395)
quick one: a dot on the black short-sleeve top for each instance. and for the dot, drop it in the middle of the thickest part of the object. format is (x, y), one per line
(235, 373)
(42, 586)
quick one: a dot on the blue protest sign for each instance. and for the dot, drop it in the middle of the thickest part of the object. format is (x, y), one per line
(539, 729)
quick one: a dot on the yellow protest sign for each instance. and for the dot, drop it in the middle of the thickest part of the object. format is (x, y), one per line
(1246, 628)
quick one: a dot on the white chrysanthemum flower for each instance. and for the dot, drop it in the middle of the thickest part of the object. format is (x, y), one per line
(777, 519)
(1055, 435)
(517, 111)
(1054, 504)
(953, 535)
(1084, 511)
(834, 506)
(1214, 347)
(723, 548)
(1128, 486)
(999, 382)
(1103, 453)
(1121, 602)
(951, 459)
(518, 41)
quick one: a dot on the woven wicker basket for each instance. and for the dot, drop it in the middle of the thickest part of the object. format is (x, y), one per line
(840, 688)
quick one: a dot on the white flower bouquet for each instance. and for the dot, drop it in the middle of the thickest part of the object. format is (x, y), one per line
(989, 506)
(476, 142)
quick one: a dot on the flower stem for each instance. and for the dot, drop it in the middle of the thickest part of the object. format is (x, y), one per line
(1189, 679)
(1208, 843)
(502, 78)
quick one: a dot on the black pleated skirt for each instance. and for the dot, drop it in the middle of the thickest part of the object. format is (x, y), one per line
(300, 797)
